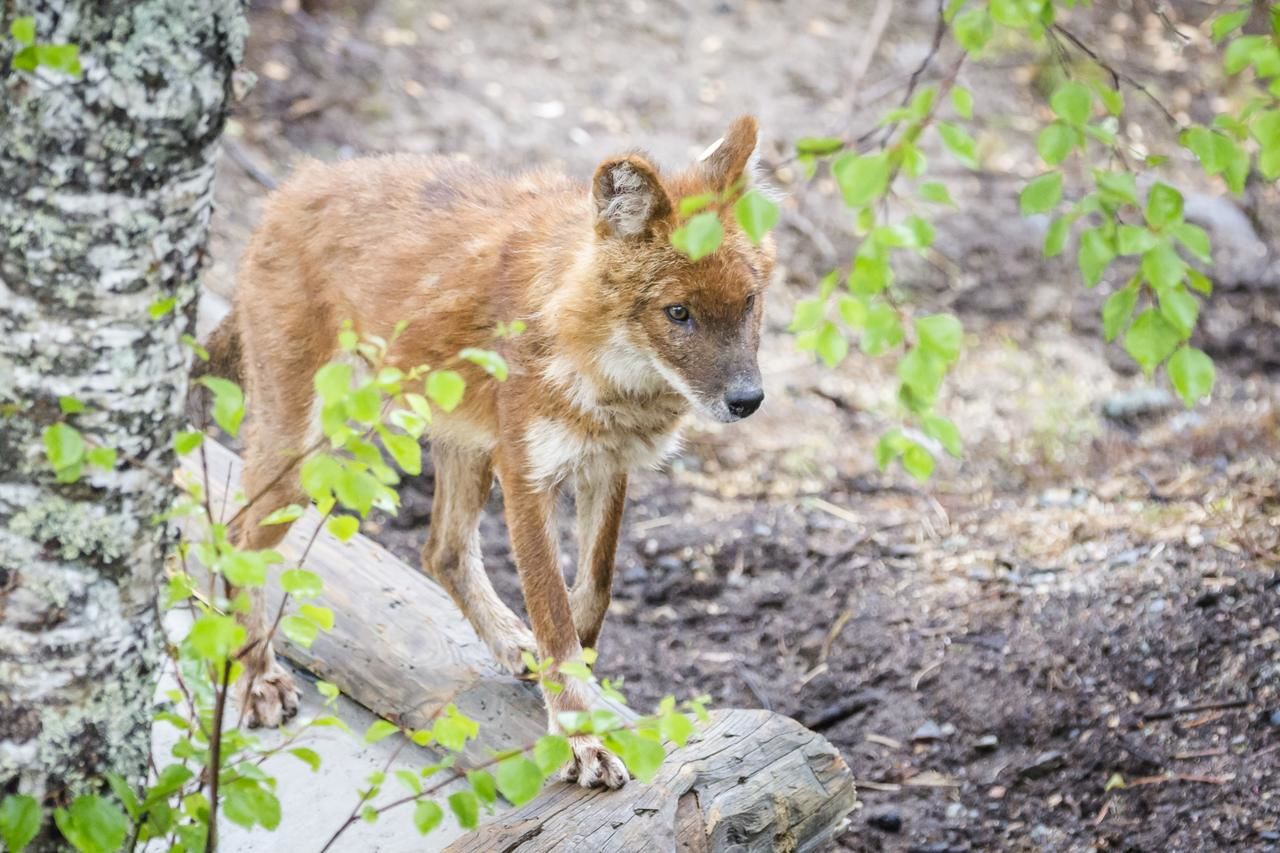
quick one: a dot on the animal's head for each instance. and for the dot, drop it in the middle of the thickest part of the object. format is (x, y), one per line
(697, 323)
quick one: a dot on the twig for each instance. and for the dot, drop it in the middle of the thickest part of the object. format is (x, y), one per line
(1180, 777)
(215, 758)
(1157, 8)
(1117, 74)
(1168, 713)
(239, 156)
(871, 41)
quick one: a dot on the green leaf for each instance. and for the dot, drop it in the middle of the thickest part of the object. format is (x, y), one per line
(427, 815)
(808, 315)
(307, 756)
(675, 727)
(1112, 99)
(861, 178)
(25, 59)
(853, 311)
(125, 794)
(1164, 206)
(343, 526)
(378, 730)
(519, 779)
(937, 193)
(1072, 102)
(922, 372)
(1094, 255)
(445, 388)
(299, 630)
(831, 344)
(1055, 142)
(1135, 240)
(405, 450)
(973, 29)
(889, 447)
(284, 515)
(883, 329)
(1041, 194)
(918, 462)
(19, 814)
(246, 568)
(945, 432)
(756, 214)
(483, 786)
(1195, 238)
(228, 403)
(492, 363)
(1055, 239)
(248, 802)
(1162, 267)
(301, 583)
(551, 752)
(1180, 309)
(1240, 53)
(959, 143)
(322, 616)
(818, 146)
(1192, 374)
(465, 808)
(643, 756)
(1117, 310)
(24, 30)
(1199, 281)
(962, 101)
(691, 204)
(92, 824)
(215, 637)
(333, 381)
(1150, 340)
(65, 448)
(59, 57)
(940, 334)
(70, 405)
(186, 441)
(699, 236)
(1224, 25)
(1117, 187)
(161, 307)
(101, 457)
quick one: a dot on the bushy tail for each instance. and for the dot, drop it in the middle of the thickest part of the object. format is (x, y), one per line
(225, 355)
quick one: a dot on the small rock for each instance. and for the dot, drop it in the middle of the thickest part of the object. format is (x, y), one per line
(634, 574)
(987, 742)
(1137, 403)
(997, 792)
(955, 811)
(1044, 764)
(888, 821)
(668, 563)
(1274, 719)
(928, 731)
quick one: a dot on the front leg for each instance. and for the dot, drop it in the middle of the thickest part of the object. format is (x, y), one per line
(530, 511)
(601, 497)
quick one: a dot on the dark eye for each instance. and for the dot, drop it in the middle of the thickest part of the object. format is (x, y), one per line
(678, 313)
(751, 302)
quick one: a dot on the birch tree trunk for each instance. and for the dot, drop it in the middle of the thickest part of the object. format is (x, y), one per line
(105, 196)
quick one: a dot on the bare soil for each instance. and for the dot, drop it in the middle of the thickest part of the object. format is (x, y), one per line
(1068, 640)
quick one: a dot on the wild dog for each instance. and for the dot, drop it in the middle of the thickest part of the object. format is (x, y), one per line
(624, 336)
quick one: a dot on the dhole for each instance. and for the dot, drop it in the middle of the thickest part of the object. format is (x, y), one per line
(624, 335)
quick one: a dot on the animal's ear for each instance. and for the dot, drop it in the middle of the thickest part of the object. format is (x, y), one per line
(629, 197)
(726, 162)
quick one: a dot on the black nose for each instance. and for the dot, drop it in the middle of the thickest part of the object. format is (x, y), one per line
(744, 401)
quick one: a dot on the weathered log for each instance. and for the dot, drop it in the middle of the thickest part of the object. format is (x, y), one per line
(749, 780)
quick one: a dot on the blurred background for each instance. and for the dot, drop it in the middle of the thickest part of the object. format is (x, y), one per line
(988, 650)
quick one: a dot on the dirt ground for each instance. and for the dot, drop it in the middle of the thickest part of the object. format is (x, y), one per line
(1068, 640)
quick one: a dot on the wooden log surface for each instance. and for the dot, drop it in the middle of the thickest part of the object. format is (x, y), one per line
(749, 780)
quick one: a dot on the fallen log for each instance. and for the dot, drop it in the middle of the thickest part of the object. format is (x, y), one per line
(749, 779)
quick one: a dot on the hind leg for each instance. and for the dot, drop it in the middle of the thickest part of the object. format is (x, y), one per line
(452, 553)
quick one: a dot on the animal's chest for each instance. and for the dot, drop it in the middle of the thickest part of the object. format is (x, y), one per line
(622, 441)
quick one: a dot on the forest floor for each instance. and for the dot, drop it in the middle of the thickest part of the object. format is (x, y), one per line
(1070, 639)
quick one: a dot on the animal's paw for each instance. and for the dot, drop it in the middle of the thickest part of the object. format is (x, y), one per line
(509, 644)
(268, 698)
(593, 766)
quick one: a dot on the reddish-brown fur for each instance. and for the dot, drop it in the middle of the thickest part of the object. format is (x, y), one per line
(599, 380)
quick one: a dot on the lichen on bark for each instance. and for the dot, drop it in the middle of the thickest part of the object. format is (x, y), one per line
(107, 190)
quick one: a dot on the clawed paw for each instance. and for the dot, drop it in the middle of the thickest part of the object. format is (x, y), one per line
(267, 699)
(593, 766)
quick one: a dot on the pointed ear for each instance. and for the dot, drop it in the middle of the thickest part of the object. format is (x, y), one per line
(629, 198)
(726, 162)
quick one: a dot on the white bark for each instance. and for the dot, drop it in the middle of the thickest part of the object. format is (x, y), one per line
(105, 195)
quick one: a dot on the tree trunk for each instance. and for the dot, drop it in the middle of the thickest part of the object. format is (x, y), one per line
(106, 185)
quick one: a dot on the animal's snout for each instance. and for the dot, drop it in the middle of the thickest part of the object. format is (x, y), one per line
(741, 402)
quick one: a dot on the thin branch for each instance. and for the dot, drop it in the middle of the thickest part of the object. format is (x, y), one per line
(215, 758)
(1117, 74)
